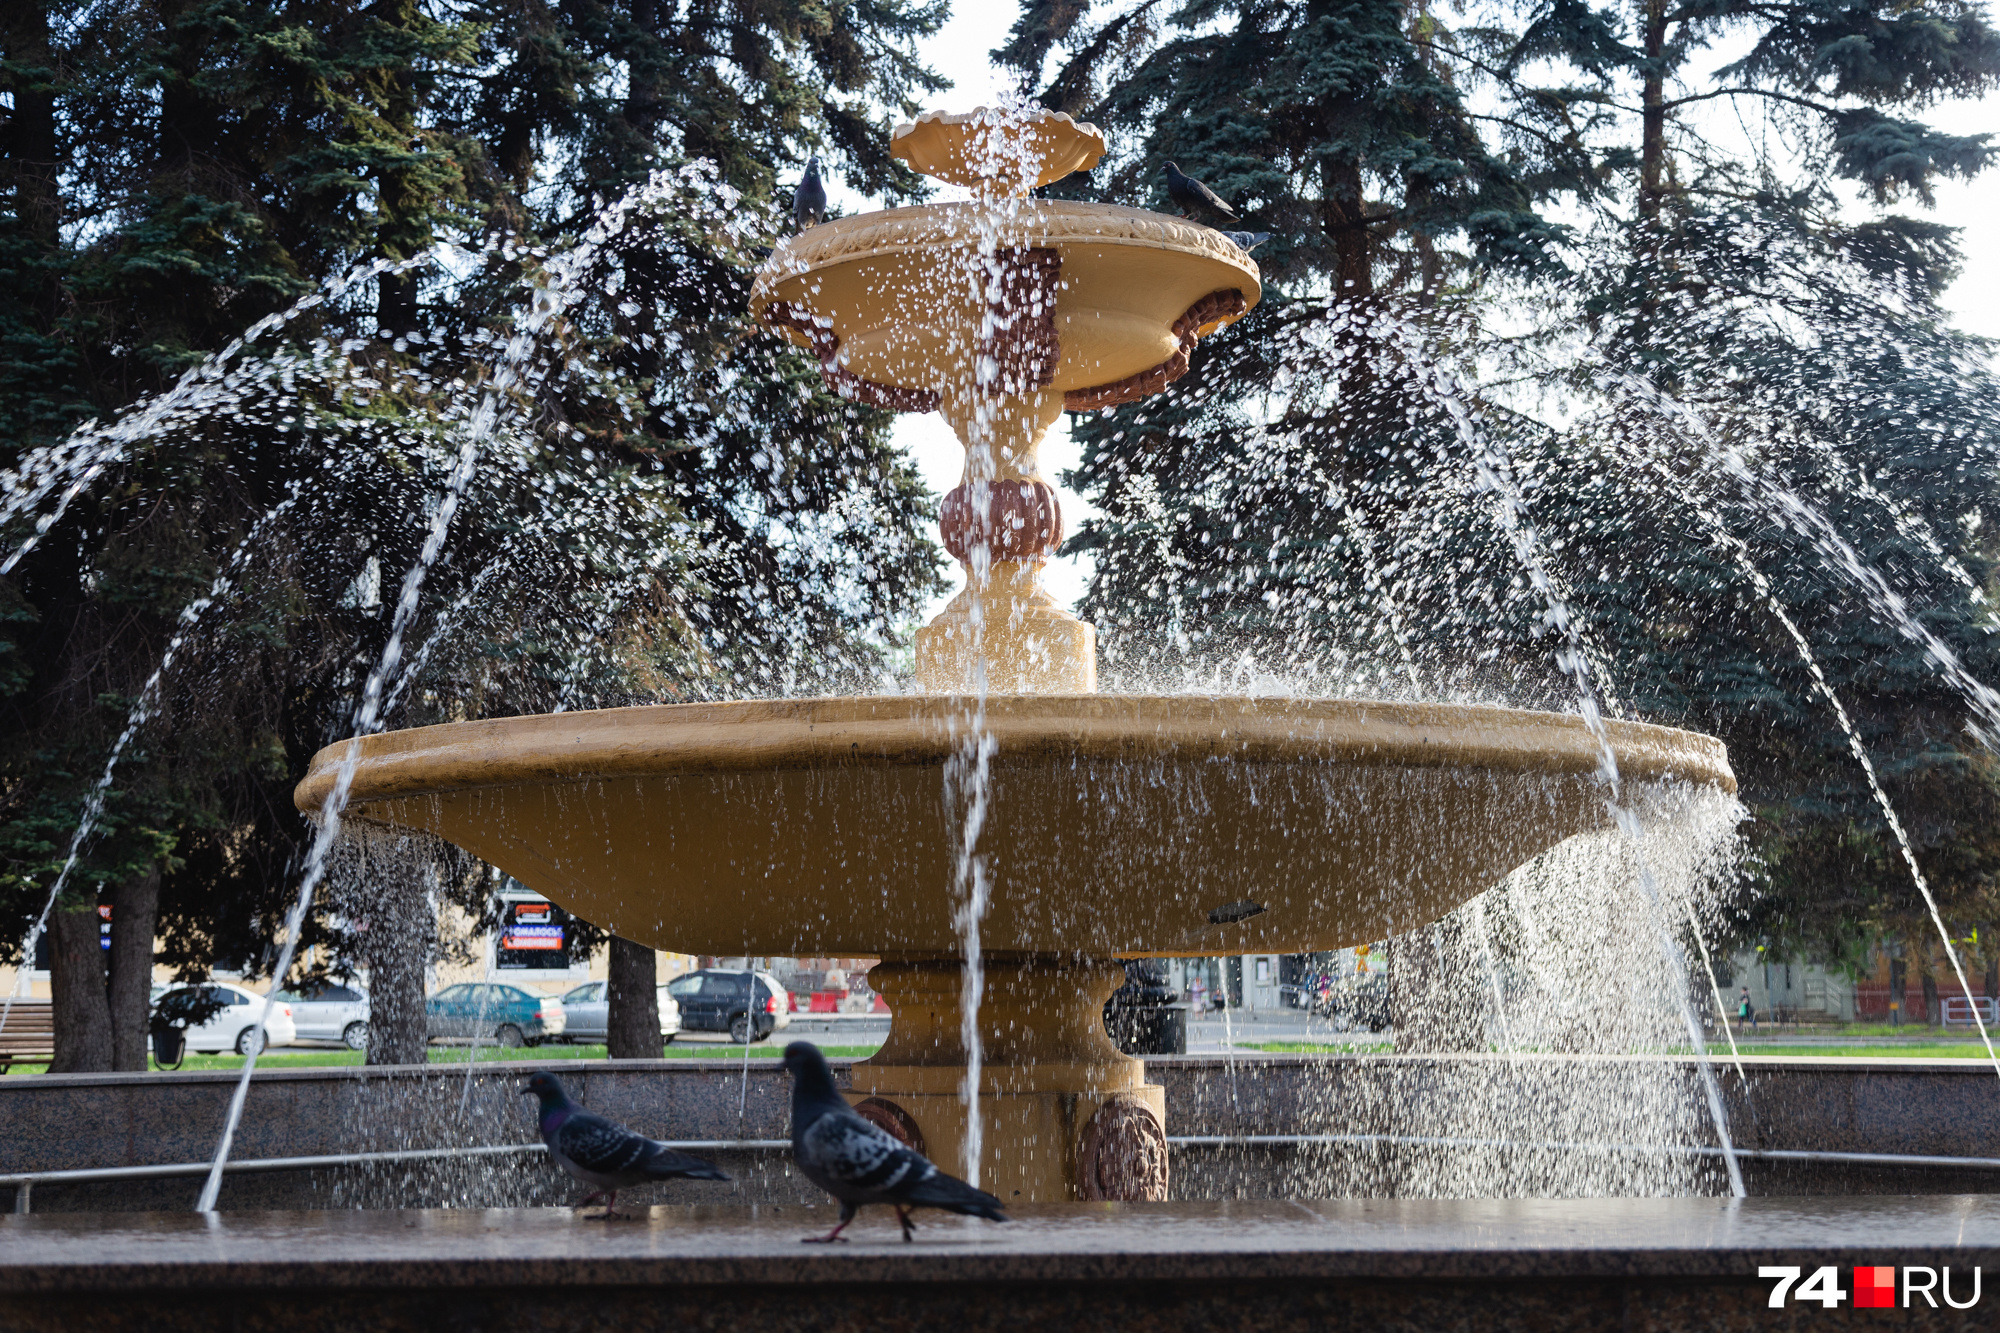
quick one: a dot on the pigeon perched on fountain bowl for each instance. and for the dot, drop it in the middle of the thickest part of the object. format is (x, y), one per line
(1191, 196)
(604, 1154)
(1246, 241)
(809, 200)
(858, 1162)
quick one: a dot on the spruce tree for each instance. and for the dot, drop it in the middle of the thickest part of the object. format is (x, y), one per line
(1339, 493)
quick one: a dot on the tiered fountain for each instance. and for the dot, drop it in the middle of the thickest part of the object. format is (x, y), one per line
(1102, 827)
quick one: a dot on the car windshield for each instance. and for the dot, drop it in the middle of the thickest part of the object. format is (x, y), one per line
(685, 987)
(452, 993)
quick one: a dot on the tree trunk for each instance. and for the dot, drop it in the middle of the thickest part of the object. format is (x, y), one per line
(30, 131)
(1424, 1008)
(79, 1006)
(633, 1023)
(1344, 209)
(1993, 976)
(400, 939)
(1932, 1014)
(402, 227)
(33, 153)
(1653, 111)
(135, 910)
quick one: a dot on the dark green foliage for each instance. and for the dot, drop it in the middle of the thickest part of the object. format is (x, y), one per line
(1331, 123)
(669, 503)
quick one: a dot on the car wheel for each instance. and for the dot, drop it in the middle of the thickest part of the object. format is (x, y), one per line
(509, 1035)
(248, 1040)
(355, 1036)
(739, 1029)
(534, 1041)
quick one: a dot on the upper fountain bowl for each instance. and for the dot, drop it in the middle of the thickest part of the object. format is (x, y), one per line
(1115, 824)
(998, 150)
(1100, 304)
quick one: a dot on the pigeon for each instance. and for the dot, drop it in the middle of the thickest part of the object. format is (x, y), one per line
(858, 1162)
(1190, 194)
(604, 1154)
(809, 202)
(1246, 241)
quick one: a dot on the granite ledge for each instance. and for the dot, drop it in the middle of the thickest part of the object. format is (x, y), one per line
(759, 1246)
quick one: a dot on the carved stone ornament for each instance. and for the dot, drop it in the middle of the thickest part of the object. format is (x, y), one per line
(1124, 1155)
(885, 1114)
(1021, 295)
(1024, 521)
(1205, 315)
(825, 345)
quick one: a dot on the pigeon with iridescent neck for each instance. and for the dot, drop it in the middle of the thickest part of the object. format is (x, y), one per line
(604, 1154)
(858, 1162)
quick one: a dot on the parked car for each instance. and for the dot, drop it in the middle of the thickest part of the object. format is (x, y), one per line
(718, 999)
(503, 1015)
(231, 1024)
(587, 1014)
(1359, 1002)
(330, 1011)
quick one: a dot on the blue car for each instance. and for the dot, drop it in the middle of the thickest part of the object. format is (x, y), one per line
(501, 1015)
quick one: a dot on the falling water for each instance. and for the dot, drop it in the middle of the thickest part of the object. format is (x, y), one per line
(1840, 556)
(1008, 158)
(547, 305)
(1496, 476)
(142, 710)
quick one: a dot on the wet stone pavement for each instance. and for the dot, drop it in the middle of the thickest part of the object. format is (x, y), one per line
(1382, 1264)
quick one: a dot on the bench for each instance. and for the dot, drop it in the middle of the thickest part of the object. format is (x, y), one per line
(29, 1036)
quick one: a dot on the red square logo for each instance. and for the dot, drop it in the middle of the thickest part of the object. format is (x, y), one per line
(1874, 1288)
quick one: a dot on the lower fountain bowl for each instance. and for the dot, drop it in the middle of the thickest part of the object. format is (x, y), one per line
(1113, 825)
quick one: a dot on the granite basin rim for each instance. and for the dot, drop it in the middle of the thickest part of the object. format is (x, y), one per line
(715, 1245)
(1026, 730)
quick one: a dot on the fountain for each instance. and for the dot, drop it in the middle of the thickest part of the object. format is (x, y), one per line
(1099, 827)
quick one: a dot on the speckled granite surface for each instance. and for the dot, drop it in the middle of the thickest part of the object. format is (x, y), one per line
(1385, 1265)
(70, 1121)
(717, 1245)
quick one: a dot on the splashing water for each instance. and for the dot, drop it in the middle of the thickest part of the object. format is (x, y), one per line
(547, 305)
(142, 711)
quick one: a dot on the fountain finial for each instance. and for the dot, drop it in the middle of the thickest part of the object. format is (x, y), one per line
(998, 150)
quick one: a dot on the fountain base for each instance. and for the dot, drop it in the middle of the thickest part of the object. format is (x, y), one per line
(1065, 1115)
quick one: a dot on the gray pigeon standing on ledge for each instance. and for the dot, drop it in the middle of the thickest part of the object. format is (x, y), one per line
(605, 1155)
(809, 202)
(1246, 241)
(1190, 195)
(859, 1162)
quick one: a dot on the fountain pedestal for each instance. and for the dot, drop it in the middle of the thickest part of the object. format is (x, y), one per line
(1064, 1114)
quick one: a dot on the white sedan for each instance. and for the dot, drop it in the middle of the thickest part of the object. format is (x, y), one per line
(233, 1026)
(587, 1014)
(329, 1011)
